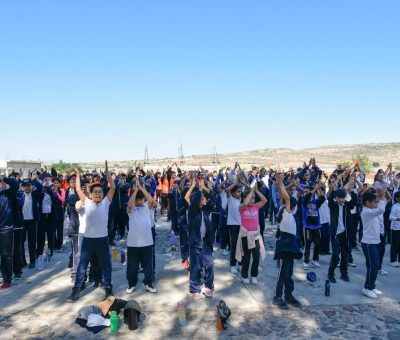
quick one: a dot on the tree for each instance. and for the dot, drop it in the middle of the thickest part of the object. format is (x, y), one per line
(364, 161)
(62, 167)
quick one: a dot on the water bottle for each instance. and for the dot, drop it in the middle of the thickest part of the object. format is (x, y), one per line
(182, 314)
(327, 288)
(115, 254)
(114, 322)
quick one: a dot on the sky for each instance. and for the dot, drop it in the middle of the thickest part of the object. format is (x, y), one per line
(94, 80)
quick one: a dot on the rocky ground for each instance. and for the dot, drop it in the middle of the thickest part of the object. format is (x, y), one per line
(35, 307)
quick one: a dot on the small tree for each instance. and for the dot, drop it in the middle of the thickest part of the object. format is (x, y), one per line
(375, 164)
(364, 161)
(62, 167)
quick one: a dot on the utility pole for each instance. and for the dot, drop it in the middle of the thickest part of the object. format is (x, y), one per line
(180, 155)
(146, 155)
(215, 156)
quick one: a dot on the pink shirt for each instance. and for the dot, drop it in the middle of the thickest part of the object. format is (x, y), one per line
(249, 216)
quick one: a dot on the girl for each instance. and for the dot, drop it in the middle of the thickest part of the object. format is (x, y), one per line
(395, 226)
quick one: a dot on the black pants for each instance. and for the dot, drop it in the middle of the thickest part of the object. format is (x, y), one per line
(223, 233)
(31, 231)
(6, 254)
(18, 250)
(261, 219)
(247, 253)
(174, 221)
(59, 231)
(184, 241)
(214, 224)
(95, 269)
(325, 238)
(46, 227)
(144, 257)
(340, 246)
(121, 221)
(285, 279)
(312, 236)
(395, 246)
(164, 203)
(153, 232)
(111, 224)
(382, 247)
(233, 236)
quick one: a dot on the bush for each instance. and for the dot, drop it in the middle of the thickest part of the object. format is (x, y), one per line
(62, 167)
(375, 164)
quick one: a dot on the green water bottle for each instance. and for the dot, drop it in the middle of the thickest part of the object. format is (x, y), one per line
(114, 321)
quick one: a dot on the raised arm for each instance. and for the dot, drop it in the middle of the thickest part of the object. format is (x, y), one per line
(247, 200)
(78, 188)
(131, 201)
(111, 191)
(189, 193)
(228, 189)
(282, 191)
(262, 197)
(150, 200)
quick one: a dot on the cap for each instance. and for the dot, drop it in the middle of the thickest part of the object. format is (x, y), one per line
(26, 181)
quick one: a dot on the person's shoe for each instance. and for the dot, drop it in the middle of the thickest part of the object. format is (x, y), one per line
(70, 263)
(108, 291)
(24, 264)
(74, 295)
(315, 264)
(245, 280)
(254, 281)
(234, 270)
(279, 302)
(5, 285)
(185, 264)
(207, 292)
(356, 248)
(150, 288)
(83, 286)
(130, 290)
(377, 291)
(382, 272)
(173, 248)
(197, 296)
(369, 293)
(291, 300)
(394, 264)
(331, 279)
(305, 266)
(225, 252)
(352, 264)
(97, 284)
(345, 278)
(17, 276)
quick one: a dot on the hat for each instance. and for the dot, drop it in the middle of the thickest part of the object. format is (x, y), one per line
(95, 320)
(26, 181)
(84, 312)
(106, 305)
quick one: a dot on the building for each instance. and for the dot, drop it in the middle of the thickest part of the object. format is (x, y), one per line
(8, 166)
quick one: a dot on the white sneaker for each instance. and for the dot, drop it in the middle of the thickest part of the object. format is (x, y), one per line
(254, 281)
(352, 264)
(246, 281)
(315, 264)
(150, 288)
(370, 293)
(377, 291)
(394, 264)
(234, 270)
(305, 266)
(383, 272)
(225, 252)
(130, 290)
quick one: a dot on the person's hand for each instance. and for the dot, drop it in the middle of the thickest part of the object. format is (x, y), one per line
(193, 184)
(380, 193)
(279, 178)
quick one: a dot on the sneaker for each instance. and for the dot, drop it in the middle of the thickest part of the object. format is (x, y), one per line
(305, 266)
(207, 292)
(315, 264)
(130, 290)
(377, 291)
(225, 252)
(331, 279)
(17, 276)
(394, 264)
(74, 295)
(352, 264)
(382, 272)
(345, 278)
(197, 296)
(70, 263)
(245, 280)
(185, 264)
(5, 285)
(108, 291)
(291, 300)
(370, 293)
(150, 288)
(279, 302)
(254, 281)
(234, 270)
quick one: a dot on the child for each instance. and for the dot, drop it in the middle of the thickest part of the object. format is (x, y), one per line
(140, 239)
(395, 230)
(370, 217)
(200, 242)
(287, 249)
(250, 241)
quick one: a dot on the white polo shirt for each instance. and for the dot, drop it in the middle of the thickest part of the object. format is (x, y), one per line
(96, 218)
(288, 223)
(140, 234)
(233, 211)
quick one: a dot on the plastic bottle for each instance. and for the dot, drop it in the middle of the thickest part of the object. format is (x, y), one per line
(327, 288)
(114, 322)
(182, 314)
(115, 254)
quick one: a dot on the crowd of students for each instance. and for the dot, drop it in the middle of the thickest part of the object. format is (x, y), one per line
(225, 210)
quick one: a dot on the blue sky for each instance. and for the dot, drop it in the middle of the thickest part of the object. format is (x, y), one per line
(89, 80)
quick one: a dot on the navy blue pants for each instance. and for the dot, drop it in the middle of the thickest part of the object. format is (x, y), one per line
(174, 220)
(6, 254)
(144, 257)
(98, 246)
(184, 242)
(340, 246)
(47, 226)
(223, 232)
(233, 235)
(201, 258)
(18, 250)
(325, 238)
(215, 225)
(285, 279)
(371, 253)
(395, 246)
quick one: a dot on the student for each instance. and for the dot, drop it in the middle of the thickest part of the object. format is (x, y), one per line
(287, 249)
(71, 197)
(95, 240)
(140, 239)
(371, 237)
(339, 211)
(60, 212)
(234, 194)
(200, 242)
(183, 224)
(250, 243)
(325, 218)
(395, 231)
(311, 220)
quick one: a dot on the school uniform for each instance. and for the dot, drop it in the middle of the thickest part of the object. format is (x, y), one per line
(233, 222)
(59, 207)
(71, 197)
(47, 222)
(325, 218)
(395, 233)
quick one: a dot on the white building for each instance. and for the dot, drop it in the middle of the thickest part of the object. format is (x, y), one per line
(8, 166)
